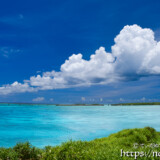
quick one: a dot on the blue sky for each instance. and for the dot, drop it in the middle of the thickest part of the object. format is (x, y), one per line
(39, 36)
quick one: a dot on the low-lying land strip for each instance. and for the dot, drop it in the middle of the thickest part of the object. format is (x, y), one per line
(132, 104)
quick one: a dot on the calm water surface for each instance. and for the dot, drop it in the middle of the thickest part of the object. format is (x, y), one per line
(51, 125)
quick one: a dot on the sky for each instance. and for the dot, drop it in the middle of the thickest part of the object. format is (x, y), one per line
(88, 51)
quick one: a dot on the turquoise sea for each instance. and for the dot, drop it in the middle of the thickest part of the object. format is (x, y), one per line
(51, 125)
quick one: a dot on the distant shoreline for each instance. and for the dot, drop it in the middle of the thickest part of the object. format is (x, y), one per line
(118, 104)
(5, 103)
(136, 104)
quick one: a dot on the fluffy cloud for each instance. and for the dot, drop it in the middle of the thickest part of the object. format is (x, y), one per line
(38, 99)
(135, 53)
(78, 72)
(16, 88)
(83, 98)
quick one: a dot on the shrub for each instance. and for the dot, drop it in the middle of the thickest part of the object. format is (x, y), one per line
(107, 148)
(8, 154)
(25, 151)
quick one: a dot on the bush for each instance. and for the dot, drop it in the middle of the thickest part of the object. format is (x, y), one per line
(26, 152)
(8, 154)
(107, 148)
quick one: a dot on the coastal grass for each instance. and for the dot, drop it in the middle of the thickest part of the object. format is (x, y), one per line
(107, 148)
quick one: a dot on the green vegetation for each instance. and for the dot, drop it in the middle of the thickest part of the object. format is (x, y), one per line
(108, 148)
(132, 104)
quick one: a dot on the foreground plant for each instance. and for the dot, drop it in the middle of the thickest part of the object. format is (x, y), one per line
(126, 144)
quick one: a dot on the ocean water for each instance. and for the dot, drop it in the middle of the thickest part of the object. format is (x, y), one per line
(51, 125)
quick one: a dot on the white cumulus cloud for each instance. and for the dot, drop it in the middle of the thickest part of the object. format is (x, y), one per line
(16, 88)
(38, 99)
(78, 72)
(135, 53)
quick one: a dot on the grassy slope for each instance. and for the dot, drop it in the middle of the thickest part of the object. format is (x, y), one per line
(99, 149)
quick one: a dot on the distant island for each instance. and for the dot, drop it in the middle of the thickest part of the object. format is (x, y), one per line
(133, 104)
(79, 104)
(19, 103)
